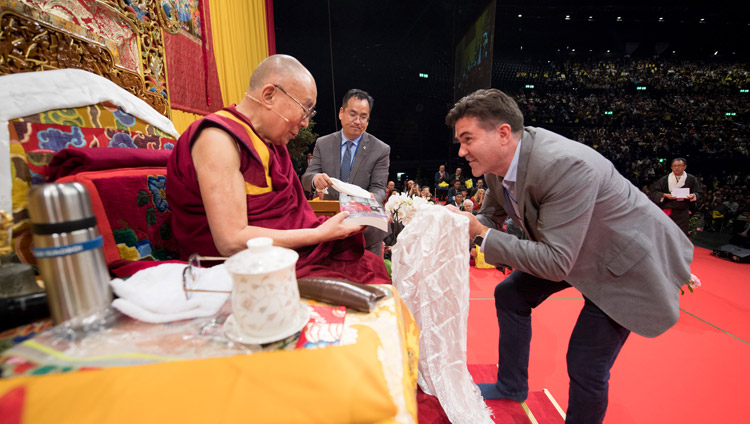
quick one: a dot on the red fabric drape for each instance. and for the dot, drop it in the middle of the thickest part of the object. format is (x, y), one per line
(190, 87)
(271, 32)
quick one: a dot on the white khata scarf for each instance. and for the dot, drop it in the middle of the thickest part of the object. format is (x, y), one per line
(674, 182)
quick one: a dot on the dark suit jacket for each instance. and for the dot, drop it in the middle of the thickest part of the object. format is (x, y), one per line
(587, 225)
(661, 186)
(369, 169)
(444, 179)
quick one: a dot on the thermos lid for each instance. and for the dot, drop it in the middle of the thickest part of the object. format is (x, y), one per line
(65, 203)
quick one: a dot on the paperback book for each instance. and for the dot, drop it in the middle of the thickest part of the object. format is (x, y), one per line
(362, 207)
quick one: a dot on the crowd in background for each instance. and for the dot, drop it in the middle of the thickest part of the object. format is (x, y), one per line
(640, 114)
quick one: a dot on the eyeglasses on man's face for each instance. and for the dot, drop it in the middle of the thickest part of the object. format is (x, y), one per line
(308, 112)
(363, 118)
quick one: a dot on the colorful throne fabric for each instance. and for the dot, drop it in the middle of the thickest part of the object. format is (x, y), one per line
(35, 139)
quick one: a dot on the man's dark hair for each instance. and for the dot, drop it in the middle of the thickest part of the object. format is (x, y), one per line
(359, 94)
(491, 106)
(684, 162)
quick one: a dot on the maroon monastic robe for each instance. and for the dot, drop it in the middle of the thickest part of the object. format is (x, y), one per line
(274, 200)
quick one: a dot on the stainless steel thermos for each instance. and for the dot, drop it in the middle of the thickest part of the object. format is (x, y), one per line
(68, 249)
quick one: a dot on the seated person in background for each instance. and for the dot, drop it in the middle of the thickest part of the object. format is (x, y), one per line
(426, 195)
(407, 186)
(478, 198)
(731, 205)
(457, 176)
(452, 192)
(414, 190)
(467, 206)
(457, 201)
(231, 179)
(442, 177)
(479, 185)
(391, 186)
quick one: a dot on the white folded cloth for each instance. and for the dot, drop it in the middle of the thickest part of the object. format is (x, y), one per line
(155, 294)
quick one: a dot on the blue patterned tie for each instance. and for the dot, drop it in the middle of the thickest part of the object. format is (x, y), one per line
(346, 162)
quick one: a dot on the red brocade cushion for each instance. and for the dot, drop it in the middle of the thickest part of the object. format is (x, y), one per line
(132, 212)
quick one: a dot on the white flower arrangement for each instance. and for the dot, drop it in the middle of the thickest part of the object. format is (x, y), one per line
(402, 207)
(694, 282)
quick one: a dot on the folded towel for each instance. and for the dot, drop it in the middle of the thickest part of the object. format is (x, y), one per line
(155, 294)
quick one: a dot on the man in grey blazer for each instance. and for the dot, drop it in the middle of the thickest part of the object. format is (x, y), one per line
(354, 156)
(586, 226)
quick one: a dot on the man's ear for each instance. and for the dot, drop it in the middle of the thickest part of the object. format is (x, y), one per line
(504, 132)
(266, 95)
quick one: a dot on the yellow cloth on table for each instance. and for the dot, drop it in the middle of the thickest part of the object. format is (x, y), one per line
(338, 384)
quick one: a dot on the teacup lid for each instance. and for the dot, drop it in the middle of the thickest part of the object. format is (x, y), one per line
(261, 257)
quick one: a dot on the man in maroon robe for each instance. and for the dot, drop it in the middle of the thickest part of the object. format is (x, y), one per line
(230, 179)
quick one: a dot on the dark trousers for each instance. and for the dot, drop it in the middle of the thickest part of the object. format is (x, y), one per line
(374, 240)
(593, 347)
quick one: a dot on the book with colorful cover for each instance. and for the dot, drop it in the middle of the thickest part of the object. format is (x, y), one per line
(325, 328)
(363, 211)
(362, 207)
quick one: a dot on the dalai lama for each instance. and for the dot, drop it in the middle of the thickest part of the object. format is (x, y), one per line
(230, 179)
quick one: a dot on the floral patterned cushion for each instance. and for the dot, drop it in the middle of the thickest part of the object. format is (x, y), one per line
(132, 212)
(35, 139)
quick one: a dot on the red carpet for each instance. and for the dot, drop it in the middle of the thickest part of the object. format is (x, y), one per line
(504, 411)
(696, 372)
(723, 298)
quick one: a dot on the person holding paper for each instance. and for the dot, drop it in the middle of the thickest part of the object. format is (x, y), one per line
(675, 193)
(587, 227)
(353, 156)
(231, 179)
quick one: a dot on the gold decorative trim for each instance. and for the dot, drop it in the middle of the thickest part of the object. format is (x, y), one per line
(28, 44)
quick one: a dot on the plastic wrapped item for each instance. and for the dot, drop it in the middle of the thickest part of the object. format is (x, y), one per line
(431, 271)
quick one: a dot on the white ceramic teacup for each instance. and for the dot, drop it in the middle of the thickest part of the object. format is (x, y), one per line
(265, 297)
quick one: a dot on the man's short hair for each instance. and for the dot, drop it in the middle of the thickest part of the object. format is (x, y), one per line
(491, 106)
(684, 162)
(358, 94)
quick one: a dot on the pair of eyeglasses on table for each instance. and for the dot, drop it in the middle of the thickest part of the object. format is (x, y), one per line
(192, 271)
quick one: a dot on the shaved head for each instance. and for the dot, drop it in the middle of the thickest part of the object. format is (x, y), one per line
(278, 69)
(280, 99)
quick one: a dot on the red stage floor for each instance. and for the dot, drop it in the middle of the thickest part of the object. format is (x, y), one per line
(696, 372)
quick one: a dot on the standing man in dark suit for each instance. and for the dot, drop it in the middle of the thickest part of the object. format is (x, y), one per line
(587, 227)
(354, 156)
(677, 208)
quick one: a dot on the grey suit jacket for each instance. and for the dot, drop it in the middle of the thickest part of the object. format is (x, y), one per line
(369, 169)
(587, 225)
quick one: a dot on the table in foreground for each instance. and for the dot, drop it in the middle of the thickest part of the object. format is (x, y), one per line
(188, 371)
